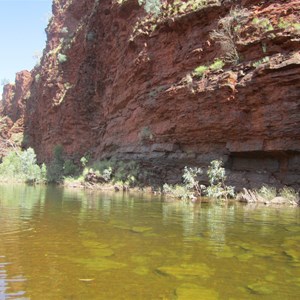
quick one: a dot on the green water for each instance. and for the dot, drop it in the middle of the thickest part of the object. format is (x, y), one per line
(67, 244)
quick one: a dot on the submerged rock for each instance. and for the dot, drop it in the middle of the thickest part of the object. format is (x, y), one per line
(291, 249)
(186, 270)
(293, 228)
(141, 271)
(190, 291)
(244, 257)
(257, 250)
(139, 259)
(260, 288)
(140, 229)
(98, 249)
(293, 255)
(224, 252)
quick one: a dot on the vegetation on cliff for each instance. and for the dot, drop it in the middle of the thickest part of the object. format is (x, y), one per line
(169, 83)
(21, 166)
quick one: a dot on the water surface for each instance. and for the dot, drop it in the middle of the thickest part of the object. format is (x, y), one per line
(59, 243)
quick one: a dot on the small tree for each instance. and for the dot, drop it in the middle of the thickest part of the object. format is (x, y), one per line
(216, 175)
(22, 166)
(190, 188)
(227, 35)
(56, 167)
(190, 180)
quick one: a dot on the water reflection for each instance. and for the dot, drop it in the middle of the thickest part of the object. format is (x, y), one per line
(59, 243)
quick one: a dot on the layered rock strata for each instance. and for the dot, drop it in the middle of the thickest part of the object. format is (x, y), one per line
(115, 81)
(12, 111)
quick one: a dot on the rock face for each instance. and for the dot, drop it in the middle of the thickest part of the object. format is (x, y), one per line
(12, 110)
(114, 81)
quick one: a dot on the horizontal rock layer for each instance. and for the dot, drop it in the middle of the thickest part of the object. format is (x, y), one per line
(114, 83)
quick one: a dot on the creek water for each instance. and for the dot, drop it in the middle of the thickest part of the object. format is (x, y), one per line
(59, 243)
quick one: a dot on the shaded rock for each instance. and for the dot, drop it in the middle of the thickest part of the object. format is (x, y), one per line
(94, 178)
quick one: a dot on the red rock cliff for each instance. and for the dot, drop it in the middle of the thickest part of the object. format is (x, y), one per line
(115, 82)
(12, 110)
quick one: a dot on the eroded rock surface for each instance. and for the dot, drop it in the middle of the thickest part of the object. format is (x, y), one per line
(114, 83)
(12, 110)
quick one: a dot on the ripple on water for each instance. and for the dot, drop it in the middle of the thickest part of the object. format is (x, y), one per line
(8, 285)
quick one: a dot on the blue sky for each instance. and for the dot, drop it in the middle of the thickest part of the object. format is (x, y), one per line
(22, 34)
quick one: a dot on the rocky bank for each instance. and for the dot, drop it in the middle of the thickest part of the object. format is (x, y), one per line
(115, 81)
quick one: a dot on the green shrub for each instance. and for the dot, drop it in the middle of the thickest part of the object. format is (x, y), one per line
(267, 192)
(190, 180)
(190, 188)
(64, 30)
(199, 71)
(217, 65)
(107, 174)
(217, 188)
(285, 24)
(263, 23)
(84, 160)
(289, 193)
(22, 166)
(62, 58)
(56, 167)
(55, 172)
(261, 61)
(151, 6)
(11, 166)
(178, 191)
(70, 169)
(115, 171)
(296, 26)
(126, 172)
